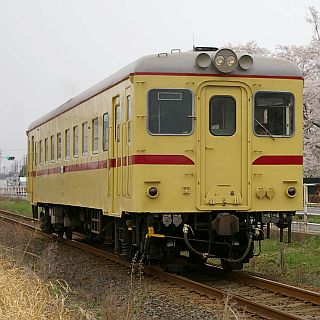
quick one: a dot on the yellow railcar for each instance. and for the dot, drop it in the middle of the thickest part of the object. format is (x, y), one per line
(207, 141)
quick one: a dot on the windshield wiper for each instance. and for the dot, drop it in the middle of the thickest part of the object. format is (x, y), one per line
(267, 131)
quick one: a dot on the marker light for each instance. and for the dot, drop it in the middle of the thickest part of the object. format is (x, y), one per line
(245, 62)
(203, 60)
(152, 192)
(291, 192)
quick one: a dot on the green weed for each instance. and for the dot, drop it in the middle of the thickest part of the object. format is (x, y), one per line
(17, 206)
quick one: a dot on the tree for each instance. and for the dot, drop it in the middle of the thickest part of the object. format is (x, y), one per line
(308, 60)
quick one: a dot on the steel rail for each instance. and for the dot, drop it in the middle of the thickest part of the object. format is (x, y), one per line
(253, 307)
(284, 289)
(262, 310)
(23, 220)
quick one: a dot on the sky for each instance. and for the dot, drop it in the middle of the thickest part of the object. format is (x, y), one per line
(50, 51)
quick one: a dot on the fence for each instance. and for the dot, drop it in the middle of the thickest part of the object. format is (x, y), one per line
(311, 197)
(14, 192)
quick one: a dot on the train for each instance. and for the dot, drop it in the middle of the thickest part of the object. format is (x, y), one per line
(188, 155)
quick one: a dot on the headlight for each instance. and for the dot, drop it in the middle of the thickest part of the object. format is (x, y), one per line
(231, 61)
(219, 60)
(225, 61)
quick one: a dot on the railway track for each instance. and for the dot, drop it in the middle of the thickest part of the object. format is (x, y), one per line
(252, 293)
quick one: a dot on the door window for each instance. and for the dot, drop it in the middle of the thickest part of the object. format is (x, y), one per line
(222, 111)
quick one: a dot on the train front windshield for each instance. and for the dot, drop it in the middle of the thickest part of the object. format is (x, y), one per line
(274, 114)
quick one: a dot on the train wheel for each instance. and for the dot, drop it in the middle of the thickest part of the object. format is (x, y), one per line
(45, 222)
(196, 259)
(230, 266)
(68, 231)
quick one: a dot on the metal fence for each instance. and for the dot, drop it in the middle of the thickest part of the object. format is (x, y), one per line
(311, 199)
(14, 192)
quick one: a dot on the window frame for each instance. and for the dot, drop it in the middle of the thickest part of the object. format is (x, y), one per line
(293, 115)
(192, 114)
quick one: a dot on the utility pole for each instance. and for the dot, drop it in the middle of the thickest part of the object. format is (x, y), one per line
(0, 160)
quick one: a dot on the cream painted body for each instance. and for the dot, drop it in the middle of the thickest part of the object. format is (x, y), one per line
(221, 178)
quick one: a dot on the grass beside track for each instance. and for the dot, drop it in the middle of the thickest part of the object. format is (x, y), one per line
(301, 261)
(17, 206)
(23, 295)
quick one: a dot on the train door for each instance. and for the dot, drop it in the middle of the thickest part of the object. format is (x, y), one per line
(127, 127)
(223, 141)
(116, 163)
(30, 168)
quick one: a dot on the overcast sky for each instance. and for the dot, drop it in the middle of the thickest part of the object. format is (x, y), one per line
(53, 50)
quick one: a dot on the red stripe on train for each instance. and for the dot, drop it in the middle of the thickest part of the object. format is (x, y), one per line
(112, 163)
(214, 75)
(160, 159)
(279, 160)
(85, 166)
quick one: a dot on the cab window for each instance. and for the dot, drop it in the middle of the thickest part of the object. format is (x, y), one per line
(170, 112)
(274, 114)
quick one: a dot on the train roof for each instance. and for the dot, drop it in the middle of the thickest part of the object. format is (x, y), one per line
(177, 63)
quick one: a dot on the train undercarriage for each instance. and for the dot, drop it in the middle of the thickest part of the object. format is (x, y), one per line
(164, 238)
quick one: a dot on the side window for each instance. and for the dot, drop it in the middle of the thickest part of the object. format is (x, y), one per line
(95, 135)
(105, 132)
(33, 149)
(40, 152)
(222, 116)
(129, 114)
(117, 122)
(35, 153)
(52, 148)
(85, 135)
(75, 141)
(59, 146)
(46, 150)
(170, 111)
(67, 144)
(274, 114)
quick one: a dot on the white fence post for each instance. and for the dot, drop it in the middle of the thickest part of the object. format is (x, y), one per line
(14, 192)
(305, 207)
